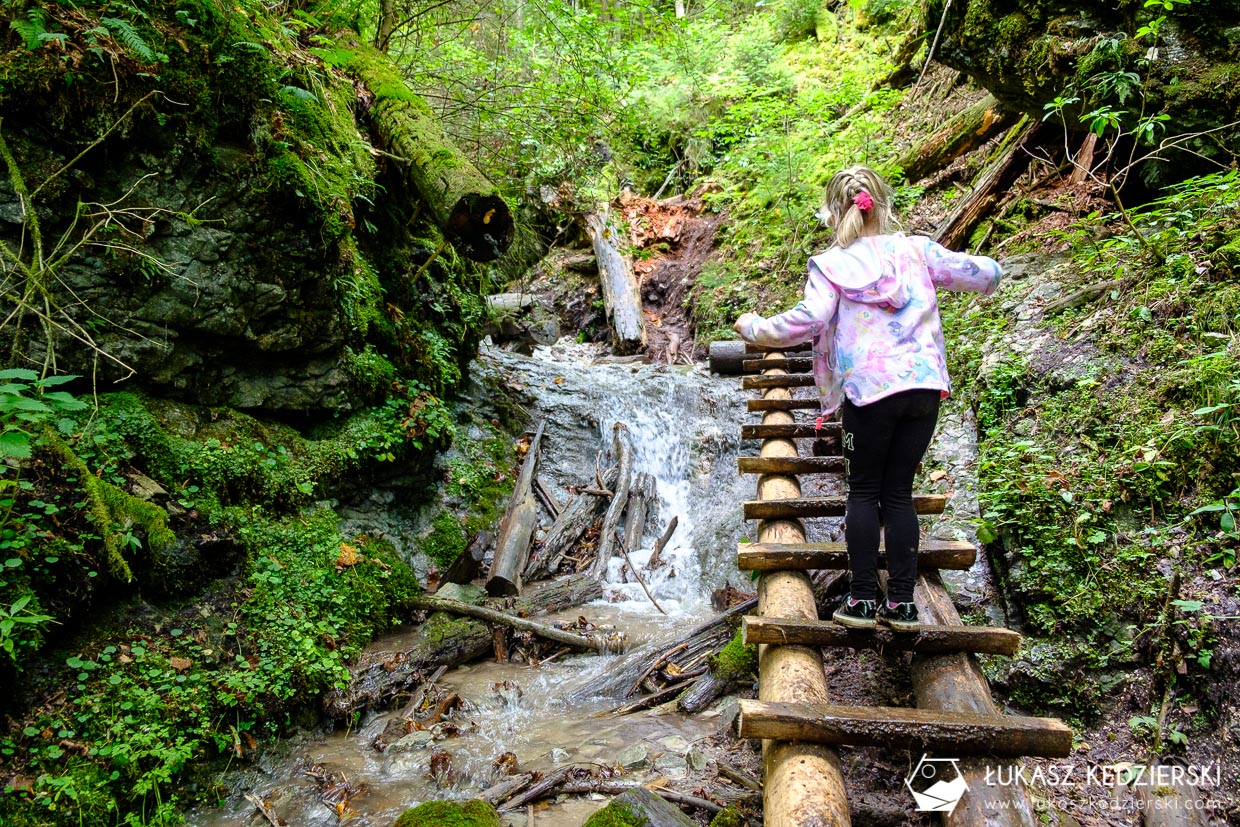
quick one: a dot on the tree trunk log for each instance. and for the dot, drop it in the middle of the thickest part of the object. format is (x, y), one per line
(516, 532)
(464, 204)
(624, 478)
(997, 178)
(955, 683)
(704, 692)
(962, 134)
(621, 297)
(804, 783)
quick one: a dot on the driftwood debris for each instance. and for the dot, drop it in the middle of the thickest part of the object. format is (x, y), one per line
(568, 528)
(624, 479)
(596, 642)
(464, 204)
(654, 562)
(517, 528)
(640, 497)
(998, 176)
(622, 299)
(961, 134)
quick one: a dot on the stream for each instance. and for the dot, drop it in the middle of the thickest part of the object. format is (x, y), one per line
(684, 430)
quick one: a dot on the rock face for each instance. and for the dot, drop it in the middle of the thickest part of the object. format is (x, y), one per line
(1030, 52)
(215, 225)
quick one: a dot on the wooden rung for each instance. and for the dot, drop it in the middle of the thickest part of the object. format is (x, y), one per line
(793, 364)
(791, 430)
(791, 465)
(805, 507)
(933, 554)
(929, 640)
(777, 380)
(948, 733)
(781, 404)
(797, 348)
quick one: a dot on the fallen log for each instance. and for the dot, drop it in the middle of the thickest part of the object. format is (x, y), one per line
(624, 478)
(547, 498)
(549, 783)
(622, 299)
(551, 596)
(566, 531)
(517, 528)
(1166, 799)
(596, 642)
(463, 203)
(962, 134)
(506, 789)
(998, 176)
(635, 514)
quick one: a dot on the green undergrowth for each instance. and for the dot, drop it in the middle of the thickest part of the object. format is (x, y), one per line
(1108, 455)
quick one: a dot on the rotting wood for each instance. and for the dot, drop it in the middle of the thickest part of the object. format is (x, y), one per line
(547, 498)
(933, 554)
(622, 299)
(517, 528)
(704, 691)
(655, 561)
(952, 733)
(1165, 802)
(567, 530)
(578, 641)
(790, 465)
(792, 430)
(640, 496)
(506, 789)
(931, 640)
(804, 783)
(996, 178)
(624, 480)
(268, 812)
(804, 507)
(550, 596)
(464, 204)
(955, 683)
(549, 782)
(742, 778)
(961, 134)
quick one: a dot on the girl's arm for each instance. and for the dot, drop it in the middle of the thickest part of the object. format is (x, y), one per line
(961, 271)
(801, 323)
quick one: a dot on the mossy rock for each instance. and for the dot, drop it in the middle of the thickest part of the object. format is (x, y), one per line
(731, 817)
(638, 808)
(472, 813)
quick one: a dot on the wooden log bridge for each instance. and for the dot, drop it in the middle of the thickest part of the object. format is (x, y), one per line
(801, 729)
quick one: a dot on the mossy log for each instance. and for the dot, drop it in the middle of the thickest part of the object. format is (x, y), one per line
(998, 176)
(464, 204)
(963, 133)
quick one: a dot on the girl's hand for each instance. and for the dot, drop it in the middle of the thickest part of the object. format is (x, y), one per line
(743, 323)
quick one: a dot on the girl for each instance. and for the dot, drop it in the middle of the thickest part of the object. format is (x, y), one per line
(871, 312)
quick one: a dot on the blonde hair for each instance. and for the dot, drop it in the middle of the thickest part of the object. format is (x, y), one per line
(841, 211)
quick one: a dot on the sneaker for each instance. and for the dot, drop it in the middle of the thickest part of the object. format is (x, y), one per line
(902, 617)
(856, 614)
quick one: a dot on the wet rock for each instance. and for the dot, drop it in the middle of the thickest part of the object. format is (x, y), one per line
(414, 740)
(559, 756)
(467, 593)
(674, 743)
(634, 758)
(696, 759)
(671, 764)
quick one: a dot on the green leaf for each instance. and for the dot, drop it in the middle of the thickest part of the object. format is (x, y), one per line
(1227, 522)
(1188, 605)
(15, 444)
(19, 373)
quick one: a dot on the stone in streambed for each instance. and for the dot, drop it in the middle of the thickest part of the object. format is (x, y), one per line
(472, 813)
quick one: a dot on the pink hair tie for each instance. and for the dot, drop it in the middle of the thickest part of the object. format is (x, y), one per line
(864, 202)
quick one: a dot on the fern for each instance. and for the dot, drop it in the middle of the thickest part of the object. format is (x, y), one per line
(123, 31)
(32, 33)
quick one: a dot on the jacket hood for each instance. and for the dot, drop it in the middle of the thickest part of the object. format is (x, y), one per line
(863, 274)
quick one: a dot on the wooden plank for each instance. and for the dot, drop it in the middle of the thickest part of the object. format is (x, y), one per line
(933, 554)
(950, 733)
(807, 507)
(781, 404)
(777, 380)
(990, 640)
(800, 347)
(792, 364)
(790, 465)
(791, 430)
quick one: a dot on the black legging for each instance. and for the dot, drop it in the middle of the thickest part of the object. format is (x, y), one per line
(883, 443)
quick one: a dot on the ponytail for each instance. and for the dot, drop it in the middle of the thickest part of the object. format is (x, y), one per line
(858, 203)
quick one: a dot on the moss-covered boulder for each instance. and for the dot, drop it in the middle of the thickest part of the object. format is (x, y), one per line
(472, 813)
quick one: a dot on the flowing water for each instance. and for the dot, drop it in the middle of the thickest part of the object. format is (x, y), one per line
(683, 427)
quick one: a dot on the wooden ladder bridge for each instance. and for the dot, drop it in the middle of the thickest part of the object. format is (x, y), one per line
(800, 728)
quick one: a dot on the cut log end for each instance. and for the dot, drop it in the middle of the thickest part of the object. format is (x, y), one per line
(480, 226)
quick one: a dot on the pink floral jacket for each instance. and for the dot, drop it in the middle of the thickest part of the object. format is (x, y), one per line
(872, 313)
